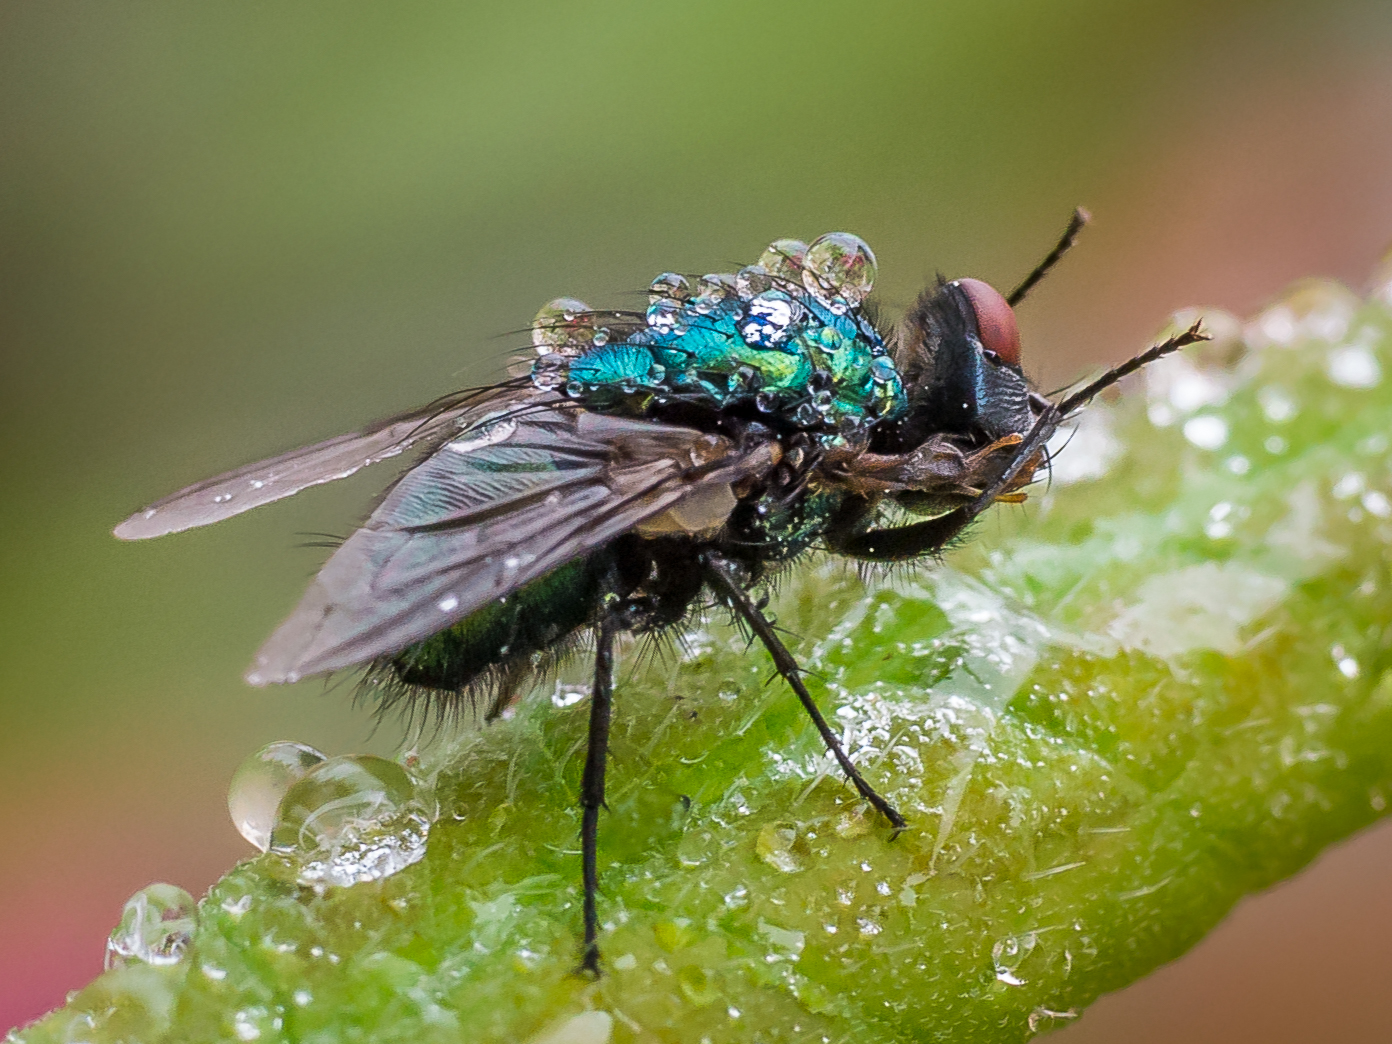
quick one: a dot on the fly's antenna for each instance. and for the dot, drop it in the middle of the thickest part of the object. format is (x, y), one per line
(1070, 236)
(1083, 395)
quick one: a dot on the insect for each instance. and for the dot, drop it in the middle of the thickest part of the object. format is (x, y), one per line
(645, 463)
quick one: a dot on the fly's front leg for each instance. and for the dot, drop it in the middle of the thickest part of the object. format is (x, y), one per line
(899, 543)
(722, 578)
(592, 787)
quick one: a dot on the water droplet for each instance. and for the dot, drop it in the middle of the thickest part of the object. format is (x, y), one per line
(766, 401)
(775, 846)
(1218, 527)
(839, 265)
(236, 908)
(1347, 665)
(752, 280)
(1377, 504)
(669, 286)
(253, 1023)
(569, 695)
(696, 986)
(1009, 954)
(156, 925)
(807, 415)
(1277, 404)
(868, 927)
(489, 431)
(261, 781)
(882, 369)
(601, 337)
(563, 326)
(769, 319)
(1348, 486)
(783, 259)
(1206, 431)
(1275, 445)
(590, 1027)
(574, 389)
(550, 371)
(666, 317)
(718, 286)
(351, 819)
(1354, 366)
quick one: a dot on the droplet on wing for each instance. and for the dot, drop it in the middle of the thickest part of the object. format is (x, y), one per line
(563, 326)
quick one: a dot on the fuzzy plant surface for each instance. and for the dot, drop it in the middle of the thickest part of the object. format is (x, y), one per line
(1164, 685)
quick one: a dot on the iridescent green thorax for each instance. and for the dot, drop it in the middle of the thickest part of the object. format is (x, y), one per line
(786, 334)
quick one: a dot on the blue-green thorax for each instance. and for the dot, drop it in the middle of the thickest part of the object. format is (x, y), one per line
(787, 335)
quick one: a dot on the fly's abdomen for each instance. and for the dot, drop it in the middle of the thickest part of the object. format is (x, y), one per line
(508, 633)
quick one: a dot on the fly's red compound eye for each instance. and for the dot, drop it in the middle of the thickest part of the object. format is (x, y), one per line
(995, 320)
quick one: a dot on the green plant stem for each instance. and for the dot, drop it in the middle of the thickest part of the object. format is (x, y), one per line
(1107, 718)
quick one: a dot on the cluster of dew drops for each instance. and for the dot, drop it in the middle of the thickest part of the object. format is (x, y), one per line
(334, 822)
(766, 300)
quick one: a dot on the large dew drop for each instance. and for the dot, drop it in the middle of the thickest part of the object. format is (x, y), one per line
(783, 259)
(564, 326)
(839, 268)
(156, 925)
(351, 819)
(261, 781)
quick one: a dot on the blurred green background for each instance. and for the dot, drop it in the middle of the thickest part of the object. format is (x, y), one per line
(226, 230)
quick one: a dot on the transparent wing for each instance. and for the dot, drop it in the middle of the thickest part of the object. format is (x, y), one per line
(266, 481)
(501, 505)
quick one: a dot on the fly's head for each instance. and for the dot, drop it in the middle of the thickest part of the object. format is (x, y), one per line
(958, 354)
(968, 404)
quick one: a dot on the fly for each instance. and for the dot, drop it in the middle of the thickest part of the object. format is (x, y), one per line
(643, 464)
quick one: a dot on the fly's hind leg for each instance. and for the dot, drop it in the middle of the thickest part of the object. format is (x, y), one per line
(723, 580)
(592, 787)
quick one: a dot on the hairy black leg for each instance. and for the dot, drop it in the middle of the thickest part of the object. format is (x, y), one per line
(592, 786)
(727, 586)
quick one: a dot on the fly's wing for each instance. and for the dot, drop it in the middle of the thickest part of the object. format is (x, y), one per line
(215, 499)
(494, 509)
